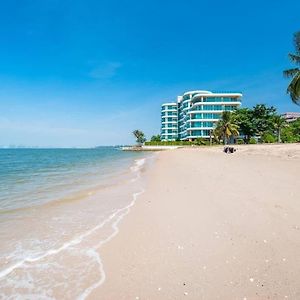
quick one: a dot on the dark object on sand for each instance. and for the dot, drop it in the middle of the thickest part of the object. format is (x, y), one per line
(229, 149)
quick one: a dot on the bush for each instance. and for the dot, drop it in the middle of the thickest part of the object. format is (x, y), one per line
(168, 143)
(289, 135)
(197, 142)
(252, 141)
(268, 138)
(240, 141)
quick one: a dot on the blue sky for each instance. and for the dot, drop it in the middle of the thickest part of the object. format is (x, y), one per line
(86, 73)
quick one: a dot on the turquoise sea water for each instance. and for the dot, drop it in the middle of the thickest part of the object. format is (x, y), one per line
(57, 207)
(34, 176)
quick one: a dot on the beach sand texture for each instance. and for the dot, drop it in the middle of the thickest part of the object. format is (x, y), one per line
(211, 226)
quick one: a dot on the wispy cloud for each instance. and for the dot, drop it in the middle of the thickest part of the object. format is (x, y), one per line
(105, 71)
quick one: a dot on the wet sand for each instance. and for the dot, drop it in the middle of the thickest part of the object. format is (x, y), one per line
(211, 226)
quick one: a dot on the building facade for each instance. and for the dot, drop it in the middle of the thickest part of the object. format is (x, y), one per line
(291, 116)
(195, 114)
(169, 121)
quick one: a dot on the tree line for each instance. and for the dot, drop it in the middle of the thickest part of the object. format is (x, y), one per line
(258, 124)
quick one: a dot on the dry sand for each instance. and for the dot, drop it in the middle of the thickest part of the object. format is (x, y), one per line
(211, 226)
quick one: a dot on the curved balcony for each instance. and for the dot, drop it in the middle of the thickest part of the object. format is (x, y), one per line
(215, 96)
(168, 121)
(168, 110)
(205, 112)
(199, 128)
(225, 103)
(171, 127)
(203, 120)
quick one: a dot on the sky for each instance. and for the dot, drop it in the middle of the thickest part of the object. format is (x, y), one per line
(82, 73)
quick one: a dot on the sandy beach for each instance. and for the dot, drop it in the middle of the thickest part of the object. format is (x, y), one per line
(211, 225)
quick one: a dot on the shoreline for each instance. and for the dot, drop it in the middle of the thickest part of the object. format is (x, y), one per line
(72, 231)
(115, 226)
(204, 232)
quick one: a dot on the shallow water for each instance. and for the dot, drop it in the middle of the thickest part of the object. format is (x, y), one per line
(57, 207)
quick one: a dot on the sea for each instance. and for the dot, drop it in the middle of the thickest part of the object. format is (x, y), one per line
(58, 207)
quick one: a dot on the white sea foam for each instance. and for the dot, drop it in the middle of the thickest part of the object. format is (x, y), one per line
(138, 164)
(95, 254)
(124, 211)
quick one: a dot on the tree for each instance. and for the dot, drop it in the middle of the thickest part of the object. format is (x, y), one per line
(140, 136)
(294, 130)
(262, 118)
(287, 135)
(226, 127)
(296, 127)
(155, 138)
(244, 119)
(294, 86)
(256, 121)
(279, 122)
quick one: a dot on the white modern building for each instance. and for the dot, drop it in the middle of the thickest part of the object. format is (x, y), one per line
(169, 121)
(195, 114)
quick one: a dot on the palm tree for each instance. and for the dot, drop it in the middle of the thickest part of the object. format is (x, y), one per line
(226, 127)
(140, 136)
(294, 86)
(279, 122)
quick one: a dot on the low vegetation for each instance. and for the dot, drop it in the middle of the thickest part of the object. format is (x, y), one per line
(197, 142)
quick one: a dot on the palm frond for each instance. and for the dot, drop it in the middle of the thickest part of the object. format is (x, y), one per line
(295, 58)
(297, 42)
(234, 129)
(291, 72)
(294, 89)
(228, 132)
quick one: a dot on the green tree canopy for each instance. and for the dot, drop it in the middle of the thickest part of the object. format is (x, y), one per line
(262, 118)
(155, 138)
(255, 121)
(244, 119)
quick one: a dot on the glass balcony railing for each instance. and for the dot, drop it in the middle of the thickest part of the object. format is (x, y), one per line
(200, 124)
(200, 107)
(205, 116)
(169, 113)
(218, 99)
(169, 119)
(169, 107)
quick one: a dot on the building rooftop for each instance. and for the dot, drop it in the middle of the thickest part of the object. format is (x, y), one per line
(291, 116)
